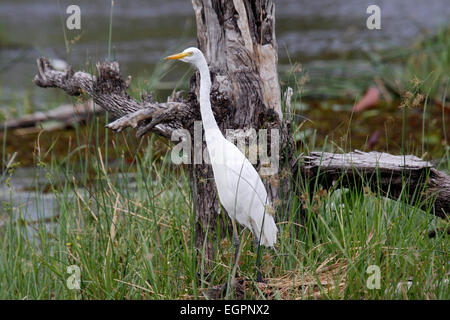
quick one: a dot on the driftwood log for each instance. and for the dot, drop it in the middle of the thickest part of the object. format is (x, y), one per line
(407, 178)
(67, 115)
(238, 40)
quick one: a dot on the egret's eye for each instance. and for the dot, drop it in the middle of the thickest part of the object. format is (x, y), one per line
(189, 54)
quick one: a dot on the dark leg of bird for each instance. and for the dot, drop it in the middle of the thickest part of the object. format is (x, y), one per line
(258, 261)
(237, 244)
(236, 253)
(236, 240)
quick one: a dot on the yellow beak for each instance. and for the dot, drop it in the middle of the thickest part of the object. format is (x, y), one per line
(177, 56)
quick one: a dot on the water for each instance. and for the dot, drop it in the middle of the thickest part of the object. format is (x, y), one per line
(27, 206)
(145, 31)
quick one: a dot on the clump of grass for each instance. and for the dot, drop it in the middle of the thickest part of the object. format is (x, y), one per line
(121, 236)
(427, 61)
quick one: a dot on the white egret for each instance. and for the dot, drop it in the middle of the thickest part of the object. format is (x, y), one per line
(240, 188)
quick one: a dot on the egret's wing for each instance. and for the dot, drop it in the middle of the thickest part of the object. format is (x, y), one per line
(240, 184)
(242, 192)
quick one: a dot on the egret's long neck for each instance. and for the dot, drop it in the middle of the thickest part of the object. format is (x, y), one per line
(209, 123)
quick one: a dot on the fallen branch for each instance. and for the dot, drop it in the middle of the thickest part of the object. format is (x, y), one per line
(66, 114)
(398, 177)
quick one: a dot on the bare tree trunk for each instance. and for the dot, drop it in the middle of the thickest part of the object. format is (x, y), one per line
(238, 40)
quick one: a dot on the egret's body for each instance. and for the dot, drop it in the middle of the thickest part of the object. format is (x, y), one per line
(241, 191)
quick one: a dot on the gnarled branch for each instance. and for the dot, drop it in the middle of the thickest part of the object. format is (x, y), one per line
(108, 90)
(408, 178)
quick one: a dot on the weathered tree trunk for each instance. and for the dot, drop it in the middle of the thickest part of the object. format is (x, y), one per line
(238, 40)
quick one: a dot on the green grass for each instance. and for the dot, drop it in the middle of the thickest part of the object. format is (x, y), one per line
(129, 226)
(427, 61)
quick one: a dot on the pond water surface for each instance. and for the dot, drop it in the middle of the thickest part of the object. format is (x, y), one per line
(145, 31)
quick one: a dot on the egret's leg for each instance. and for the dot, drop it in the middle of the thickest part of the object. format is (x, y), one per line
(236, 240)
(258, 260)
(237, 244)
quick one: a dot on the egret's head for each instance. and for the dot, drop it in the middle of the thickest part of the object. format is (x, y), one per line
(191, 55)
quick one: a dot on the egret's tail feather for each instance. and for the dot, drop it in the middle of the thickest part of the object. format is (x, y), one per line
(268, 237)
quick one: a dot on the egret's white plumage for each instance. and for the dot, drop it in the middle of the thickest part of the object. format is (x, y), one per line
(241, 191)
